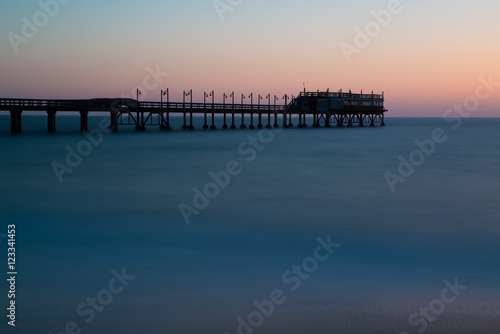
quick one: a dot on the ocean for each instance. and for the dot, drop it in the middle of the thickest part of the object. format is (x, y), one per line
(377, 230)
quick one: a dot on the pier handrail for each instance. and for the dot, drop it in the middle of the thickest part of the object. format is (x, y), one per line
(341, 95)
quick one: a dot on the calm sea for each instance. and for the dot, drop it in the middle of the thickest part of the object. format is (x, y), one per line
(417, 256)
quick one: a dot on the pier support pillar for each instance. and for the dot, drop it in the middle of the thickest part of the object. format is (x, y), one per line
(165, 125)
(260, 126)
(140, 125)
(327, 121)
(84, 121)
(15, 121)
(184, 127)
(276, 120)
(251, 122)
(113, 127)
(268, 126)
(243, 126)
(51, 121)
(191, 127)
(225, 122)
(213, 127)
(232, 125)
(205, 126)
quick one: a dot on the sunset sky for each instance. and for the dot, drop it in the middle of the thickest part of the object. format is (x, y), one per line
(427, 58)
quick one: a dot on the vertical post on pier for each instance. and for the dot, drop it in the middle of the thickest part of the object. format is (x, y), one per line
(327, 121)
(84, 121)
(51, 121)
(169, 128)
(242, 126)
(315, 120)
(184, 126)
(113, 127)
(275, 113)
(15, 121)
(285, 123)
(224, 110)
(233, 126)
(139, 124)
(205, 95)
(268, 126)
(260, 126)
(213, 127)
(251, 111)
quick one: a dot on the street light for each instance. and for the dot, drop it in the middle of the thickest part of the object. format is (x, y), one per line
(190, 94)
(268, 126)
(251, 111)
(285, 124)
(260, 126)
(163, 126)
(224, 97)
(140, 115)
(212, 94)
(242, 126)
(275, 113)
(233, 126)
(184, 95)
(205, 95)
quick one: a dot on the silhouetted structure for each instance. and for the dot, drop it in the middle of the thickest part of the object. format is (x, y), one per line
(327, 108)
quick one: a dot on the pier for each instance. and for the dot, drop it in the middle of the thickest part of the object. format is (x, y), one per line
(327, 109)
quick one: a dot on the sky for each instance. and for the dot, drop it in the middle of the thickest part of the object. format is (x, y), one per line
(425, 55)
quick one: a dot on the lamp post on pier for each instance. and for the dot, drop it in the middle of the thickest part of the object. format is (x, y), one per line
(260, 126)
(184, 95)
(140, 115)
(233, 126)
(251, 111)
(268, 126)
(224, 97)
(163, 125)
(285, 124)
(212, 94)
(205, 95)
(242, 126)
(275, 113)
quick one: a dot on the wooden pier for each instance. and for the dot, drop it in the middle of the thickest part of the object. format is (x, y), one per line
(326, 108)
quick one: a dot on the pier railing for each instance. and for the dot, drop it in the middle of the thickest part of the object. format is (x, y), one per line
(211, 106)
(341, 95)
(44, 104)
(70, 105)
